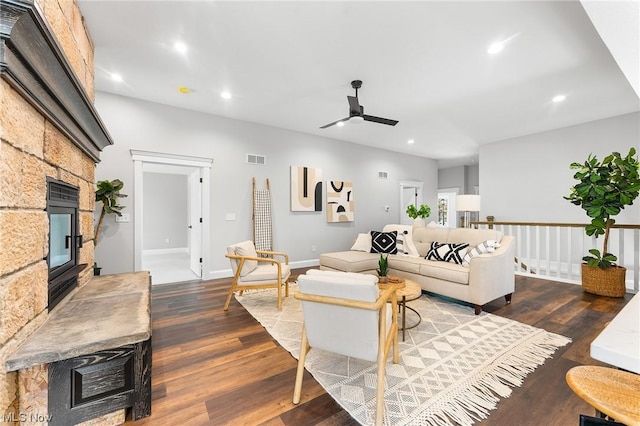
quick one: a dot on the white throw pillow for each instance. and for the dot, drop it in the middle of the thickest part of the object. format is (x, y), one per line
(363, 243)
(247, 248)
(488, 246)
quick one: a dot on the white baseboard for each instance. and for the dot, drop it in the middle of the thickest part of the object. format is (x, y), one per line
(226, 273)
(166, 251)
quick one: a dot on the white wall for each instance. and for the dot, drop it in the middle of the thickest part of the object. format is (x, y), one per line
(165, 211)
(525, 178)
(140, 125)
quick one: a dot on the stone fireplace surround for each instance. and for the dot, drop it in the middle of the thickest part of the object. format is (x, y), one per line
(48, 128)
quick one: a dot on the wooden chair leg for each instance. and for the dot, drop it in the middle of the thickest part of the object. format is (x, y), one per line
(286, 288)
(279, 296)
(304, 348)
(394, 330)
(226, 304)
(380, 391)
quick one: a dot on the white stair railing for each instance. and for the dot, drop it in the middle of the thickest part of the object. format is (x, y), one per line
(554, 250)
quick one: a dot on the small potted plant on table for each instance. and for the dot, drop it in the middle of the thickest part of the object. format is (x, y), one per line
(382, 269)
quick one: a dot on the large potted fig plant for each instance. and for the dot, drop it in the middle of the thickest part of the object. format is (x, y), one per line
(107, 192)
(604, 188)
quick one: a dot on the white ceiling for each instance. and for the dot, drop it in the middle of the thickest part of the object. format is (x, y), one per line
(425, 63)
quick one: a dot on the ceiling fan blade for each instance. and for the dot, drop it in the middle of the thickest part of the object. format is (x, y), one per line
(334, 123)
(380, 120)
(354, 106)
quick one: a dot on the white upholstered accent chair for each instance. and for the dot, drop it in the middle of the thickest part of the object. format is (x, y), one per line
(346, 313)
(254, 272)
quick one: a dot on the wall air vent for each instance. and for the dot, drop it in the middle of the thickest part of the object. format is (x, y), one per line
(383, 175)
(258, 159)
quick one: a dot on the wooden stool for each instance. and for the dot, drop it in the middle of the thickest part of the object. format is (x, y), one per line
(615, 393)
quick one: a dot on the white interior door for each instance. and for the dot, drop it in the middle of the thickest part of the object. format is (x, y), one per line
(195, 223)
(410, 193)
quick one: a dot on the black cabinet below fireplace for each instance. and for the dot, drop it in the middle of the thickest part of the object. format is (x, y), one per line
(90, 386)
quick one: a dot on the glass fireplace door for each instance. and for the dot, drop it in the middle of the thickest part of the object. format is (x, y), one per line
(60, 245)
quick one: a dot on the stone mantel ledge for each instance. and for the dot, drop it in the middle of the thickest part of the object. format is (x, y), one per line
(108, 312)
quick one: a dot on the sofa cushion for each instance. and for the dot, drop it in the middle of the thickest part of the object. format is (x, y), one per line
(473, 236)
(423, 237)
(350, 261)
(447, 252)
(445, 271)
(384, 242)
(406, 263)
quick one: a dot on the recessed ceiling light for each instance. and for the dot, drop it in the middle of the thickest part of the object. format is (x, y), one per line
(116, 77)
(559, 98)
(495, 48)
(340, 123)
(180, 47)
(225, 95)
(410, 141)
(184, 89)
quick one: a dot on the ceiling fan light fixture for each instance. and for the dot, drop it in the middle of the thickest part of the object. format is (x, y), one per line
(357, 119)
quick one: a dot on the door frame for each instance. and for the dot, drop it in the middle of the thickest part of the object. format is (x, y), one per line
(452, 216)
(140, 158)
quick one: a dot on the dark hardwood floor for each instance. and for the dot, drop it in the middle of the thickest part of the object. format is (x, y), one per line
(212, 367)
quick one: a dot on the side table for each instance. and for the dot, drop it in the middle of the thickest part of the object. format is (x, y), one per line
(410, 291)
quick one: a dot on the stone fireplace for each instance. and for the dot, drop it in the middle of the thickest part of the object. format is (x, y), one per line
(48, 129)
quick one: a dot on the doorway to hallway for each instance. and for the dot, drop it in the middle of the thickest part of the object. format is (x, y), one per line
(171, 216)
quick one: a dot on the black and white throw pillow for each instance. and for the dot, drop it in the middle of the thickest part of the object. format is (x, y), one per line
(384, 242)
(488, 246)
(401, 243)
(447, 252)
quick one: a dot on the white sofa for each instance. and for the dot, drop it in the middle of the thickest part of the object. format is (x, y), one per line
(487, 277)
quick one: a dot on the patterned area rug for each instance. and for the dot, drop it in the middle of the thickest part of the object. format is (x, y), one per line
(454, 367)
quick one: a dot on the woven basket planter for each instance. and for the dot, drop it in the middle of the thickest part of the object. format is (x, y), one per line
(604, 282)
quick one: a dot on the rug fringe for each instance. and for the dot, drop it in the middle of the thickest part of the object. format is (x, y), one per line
(478, 398)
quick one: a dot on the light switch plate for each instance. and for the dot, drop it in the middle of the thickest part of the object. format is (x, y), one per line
(123, 218)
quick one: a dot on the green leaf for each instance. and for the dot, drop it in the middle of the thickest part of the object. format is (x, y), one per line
(595, 252)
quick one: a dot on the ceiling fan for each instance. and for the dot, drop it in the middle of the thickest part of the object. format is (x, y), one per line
(356, 111)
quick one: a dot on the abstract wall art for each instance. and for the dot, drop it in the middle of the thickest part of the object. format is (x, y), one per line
(340, 207)
(306, 189)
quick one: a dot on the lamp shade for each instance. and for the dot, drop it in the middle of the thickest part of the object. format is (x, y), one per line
(468, 203)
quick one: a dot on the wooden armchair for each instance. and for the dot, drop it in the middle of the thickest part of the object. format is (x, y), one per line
(346, 313)
(254, 272)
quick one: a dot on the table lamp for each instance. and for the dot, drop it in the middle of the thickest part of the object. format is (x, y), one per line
(468, 203)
